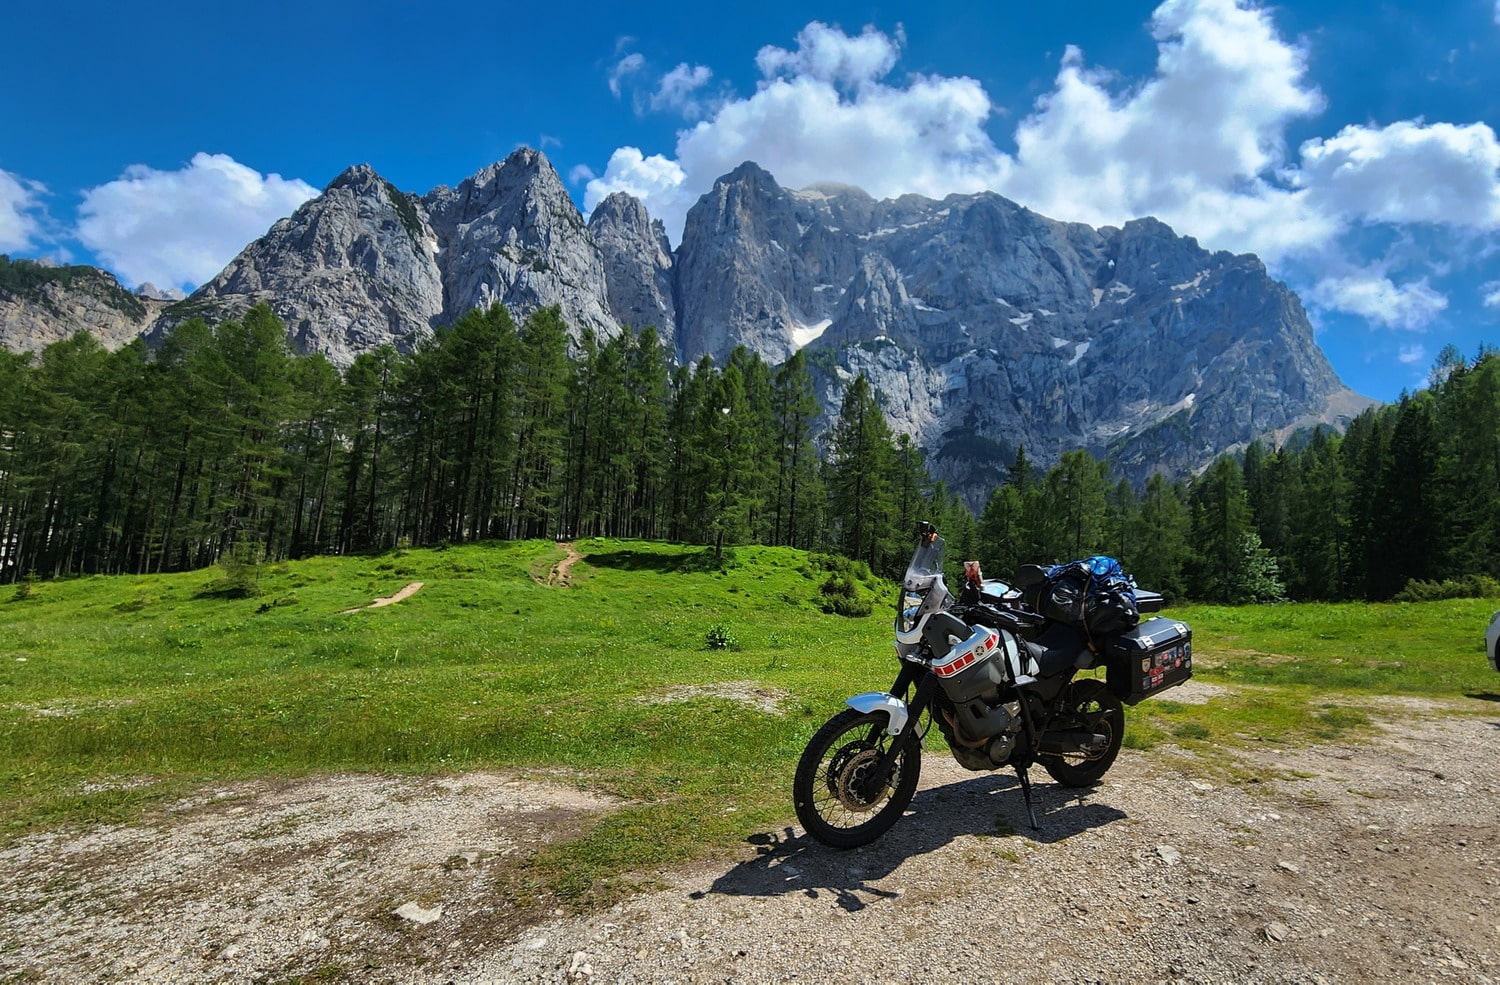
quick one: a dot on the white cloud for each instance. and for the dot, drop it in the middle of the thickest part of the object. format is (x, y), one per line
(179, 228)
(678, 90)
(20, 208)
(834, 122)
(1491, 294)
(1410, 354)
(1376, 297)
(1201, 144)
(1407, 172)
(830, 56)
(655, 180)
(622, 69)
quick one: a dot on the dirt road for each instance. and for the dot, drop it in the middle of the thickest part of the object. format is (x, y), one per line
(1372, 862)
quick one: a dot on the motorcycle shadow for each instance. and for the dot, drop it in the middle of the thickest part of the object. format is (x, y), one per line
(987, 805)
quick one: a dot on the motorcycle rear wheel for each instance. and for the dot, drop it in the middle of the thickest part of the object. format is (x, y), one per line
(1092, 706)
(832, 789)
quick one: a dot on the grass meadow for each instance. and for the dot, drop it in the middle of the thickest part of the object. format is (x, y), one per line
(119, 693)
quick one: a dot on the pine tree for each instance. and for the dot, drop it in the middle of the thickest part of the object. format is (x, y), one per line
(1162, 548)
(860, 450)
(796, 410)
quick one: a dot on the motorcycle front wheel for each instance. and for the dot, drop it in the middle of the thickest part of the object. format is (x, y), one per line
(1091, 707)
(836, 793)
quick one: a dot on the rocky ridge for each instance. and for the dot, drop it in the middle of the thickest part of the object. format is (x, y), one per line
(983, 326)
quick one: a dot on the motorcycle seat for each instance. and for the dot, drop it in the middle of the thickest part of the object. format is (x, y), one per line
(1060, 648)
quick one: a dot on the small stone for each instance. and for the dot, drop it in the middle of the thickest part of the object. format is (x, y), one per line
(418, 914)
(1277, 931)
(1288, 867)
(1168, 854)
(1201, 786)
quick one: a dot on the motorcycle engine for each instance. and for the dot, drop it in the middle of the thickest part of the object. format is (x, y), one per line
(981, 736)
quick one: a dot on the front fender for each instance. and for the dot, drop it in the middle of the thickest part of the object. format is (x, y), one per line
(894, 708)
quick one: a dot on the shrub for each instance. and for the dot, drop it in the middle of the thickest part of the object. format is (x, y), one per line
(240, 572)
(1467, 587)
(720, 638)
(850, 588)
(25, 588)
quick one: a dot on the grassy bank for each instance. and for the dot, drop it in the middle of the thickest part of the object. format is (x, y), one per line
(118, 692)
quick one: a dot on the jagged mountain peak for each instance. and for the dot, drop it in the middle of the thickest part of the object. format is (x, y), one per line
(618, 206)
(749, 171)
(983, 324)
(357, 177)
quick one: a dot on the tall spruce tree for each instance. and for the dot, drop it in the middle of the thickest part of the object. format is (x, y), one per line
(859, 466)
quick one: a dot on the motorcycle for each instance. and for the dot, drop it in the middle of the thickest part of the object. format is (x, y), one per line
(996, 670)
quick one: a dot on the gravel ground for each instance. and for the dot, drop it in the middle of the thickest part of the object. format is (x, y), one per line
(1370, 862)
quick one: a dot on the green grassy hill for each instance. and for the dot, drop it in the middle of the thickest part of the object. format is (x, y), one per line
(685, 685)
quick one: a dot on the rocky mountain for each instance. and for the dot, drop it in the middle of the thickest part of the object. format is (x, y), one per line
(982, 325)
(985, 326)
(352, 269)
(42, 303)
(638, 265)
(365, 264)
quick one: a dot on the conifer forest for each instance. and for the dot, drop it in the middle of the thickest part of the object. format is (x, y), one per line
(222, 443)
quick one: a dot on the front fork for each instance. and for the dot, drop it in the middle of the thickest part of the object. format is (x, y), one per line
(900, 714)
(901, 718)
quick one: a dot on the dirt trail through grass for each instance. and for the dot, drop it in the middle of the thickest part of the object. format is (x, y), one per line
(405, 593)
(561, 575)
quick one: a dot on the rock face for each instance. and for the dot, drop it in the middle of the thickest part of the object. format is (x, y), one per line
(512, 234)
(365, 264)
(982, 325)
(44, 303)
(350, 270)
(985, 326)
(638, 265)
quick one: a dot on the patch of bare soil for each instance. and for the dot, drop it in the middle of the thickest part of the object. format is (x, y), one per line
(259, 881)
(1369, 861)
(405, 593)
(561, 575)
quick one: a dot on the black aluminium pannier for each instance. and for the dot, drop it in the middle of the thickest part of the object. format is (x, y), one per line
(1149, 658)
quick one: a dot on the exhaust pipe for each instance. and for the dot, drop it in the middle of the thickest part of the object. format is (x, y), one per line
(1088, 743)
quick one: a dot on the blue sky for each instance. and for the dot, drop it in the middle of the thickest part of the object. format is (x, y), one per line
(1350, 144)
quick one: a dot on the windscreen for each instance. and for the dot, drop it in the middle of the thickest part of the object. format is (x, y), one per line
(923, 583)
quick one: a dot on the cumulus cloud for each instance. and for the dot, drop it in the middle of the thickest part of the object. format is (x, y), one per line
(179, 228)
(1491, 292)
(821, 112)
(1374, 296)
(20, 212)
(1201, 144)
(826, 54)
(1407, 172)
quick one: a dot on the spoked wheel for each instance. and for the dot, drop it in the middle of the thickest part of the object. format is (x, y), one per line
(839, 799)
(1093, 708)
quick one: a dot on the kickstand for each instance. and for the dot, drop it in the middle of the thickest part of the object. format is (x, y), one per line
(1026, 794)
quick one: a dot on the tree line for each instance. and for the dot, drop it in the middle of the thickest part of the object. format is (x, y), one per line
(224, 441)
(1404, 504)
